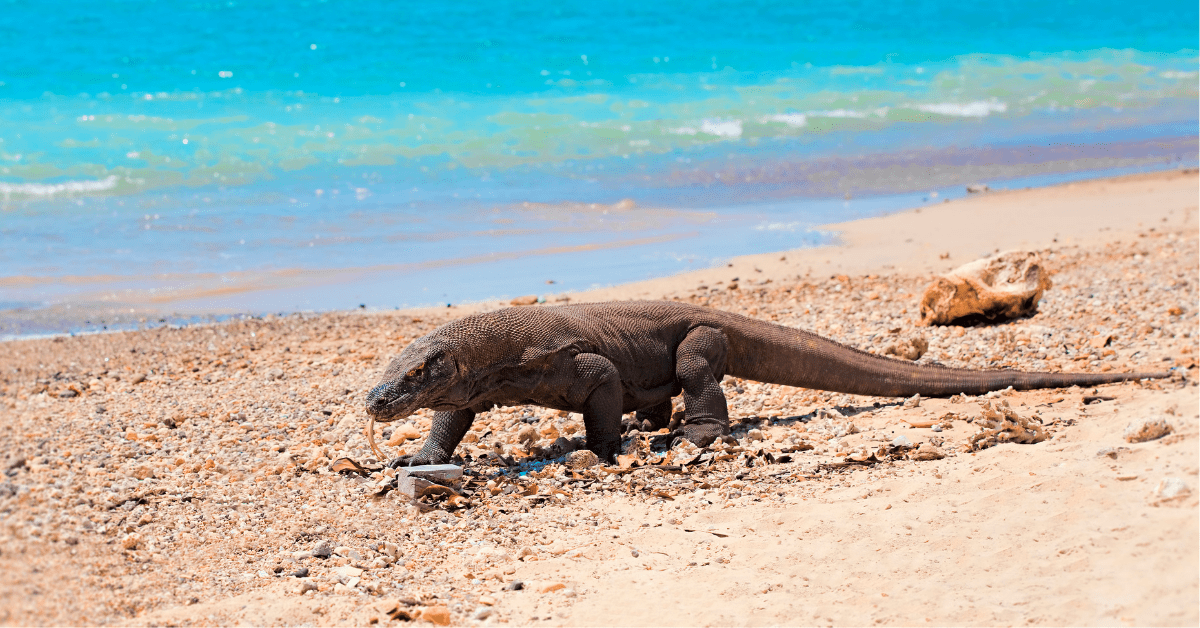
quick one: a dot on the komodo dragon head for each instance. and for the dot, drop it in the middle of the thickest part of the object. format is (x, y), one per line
(422, 376)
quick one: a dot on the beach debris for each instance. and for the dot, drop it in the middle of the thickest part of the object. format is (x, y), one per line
(908, 348)
(1001, 424)
(1005, 286)
(432, 472)
(977, 188)
(901, 441)
(1146, 430)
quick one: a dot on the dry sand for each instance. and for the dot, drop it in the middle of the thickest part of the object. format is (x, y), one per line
(181, 476)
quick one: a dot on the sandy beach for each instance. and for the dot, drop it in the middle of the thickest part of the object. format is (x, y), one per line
(183, 476)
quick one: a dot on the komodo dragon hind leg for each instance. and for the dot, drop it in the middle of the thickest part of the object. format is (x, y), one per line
(650, 419)
(446, 431)
(699, 365)
(597, 391)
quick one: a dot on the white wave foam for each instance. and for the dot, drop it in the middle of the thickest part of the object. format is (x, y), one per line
(837, 113)
(684, 130)
(722, 128)
(51, 189)
(977, 109)
(794, 120)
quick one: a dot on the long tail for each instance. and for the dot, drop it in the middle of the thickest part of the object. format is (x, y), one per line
(782, 355)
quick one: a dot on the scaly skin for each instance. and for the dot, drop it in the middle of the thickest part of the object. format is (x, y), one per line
(605, 359)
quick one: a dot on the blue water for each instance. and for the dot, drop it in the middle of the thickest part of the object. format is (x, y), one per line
(142, 139)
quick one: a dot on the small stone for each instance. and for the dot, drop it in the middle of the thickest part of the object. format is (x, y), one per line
(977, 188)
(527, 435)
(437, 615)
(300, 573)
(1146, 430)
(936, 428)
(273, 374)
(515, 585)
(844, 428)
(901, 441)
(582, 459)
(346, 572)
(755, 435)
(482, 613)
(487, 600)
(348, 552)
(928, 452)
(323, 549)
(402, 433)
(1172, 488)
(908, 348)
(549, 587)
(131, 542)
(306, 586)
(912, 402)
(526, 551)
(301, 555)
(528, 299)
(569, 592)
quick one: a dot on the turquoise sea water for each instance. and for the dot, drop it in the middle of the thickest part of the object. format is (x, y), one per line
(145, 139)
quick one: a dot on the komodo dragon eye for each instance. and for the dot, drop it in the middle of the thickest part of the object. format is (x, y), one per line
(416, 371)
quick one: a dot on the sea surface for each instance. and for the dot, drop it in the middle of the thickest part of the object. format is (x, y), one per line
(253, 156)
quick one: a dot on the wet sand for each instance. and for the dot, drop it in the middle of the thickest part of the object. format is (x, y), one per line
(181, 476)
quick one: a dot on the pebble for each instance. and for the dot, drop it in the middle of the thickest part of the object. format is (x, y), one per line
(1172, 488)
(928, 452)
(755, 435)
(323, 549)
(437, 615)
(901, 441)
(482, 613)
(550, 587)
(348, 552)
(305, 586)
(1147, 430)
(347, 572)
(582, 459)
(401, 433)
(527, 435)
(515, 585)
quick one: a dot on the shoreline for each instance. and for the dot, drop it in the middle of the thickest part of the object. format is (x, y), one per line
(183, 476)
(135, 314)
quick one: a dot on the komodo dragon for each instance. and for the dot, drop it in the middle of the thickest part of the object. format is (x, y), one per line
(605, 359)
